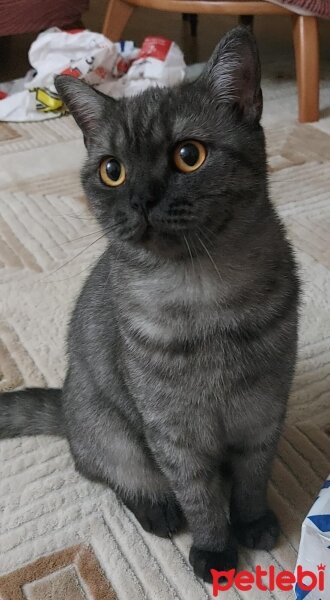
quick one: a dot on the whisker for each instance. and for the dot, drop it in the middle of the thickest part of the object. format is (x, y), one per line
(109, 229)
(213, 233)
(106, 284)
(190, 254)
(74, 240)
(201, 231)
(210, 257)
(76, 256)
(71, 216)
(86, 269)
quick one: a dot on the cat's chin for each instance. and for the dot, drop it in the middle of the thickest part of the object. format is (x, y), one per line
(169, 244)
(162, 243)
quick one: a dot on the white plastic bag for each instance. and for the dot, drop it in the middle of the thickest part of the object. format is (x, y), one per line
(115, 69)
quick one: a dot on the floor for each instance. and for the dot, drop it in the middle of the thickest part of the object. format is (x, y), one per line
(273, 34)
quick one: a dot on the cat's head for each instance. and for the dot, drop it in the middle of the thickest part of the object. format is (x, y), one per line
(175, 165)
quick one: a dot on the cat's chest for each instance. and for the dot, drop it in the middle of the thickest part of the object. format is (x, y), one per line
(171, 305)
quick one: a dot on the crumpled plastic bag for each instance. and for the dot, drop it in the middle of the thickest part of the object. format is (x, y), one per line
(118, 69)
(314, 549)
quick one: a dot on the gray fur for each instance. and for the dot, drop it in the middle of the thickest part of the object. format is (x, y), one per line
(182, 344)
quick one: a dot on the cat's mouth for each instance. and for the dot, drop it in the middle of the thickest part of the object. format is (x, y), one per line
(141, 233)
(164, 243)
(151, 236)
(155, 237)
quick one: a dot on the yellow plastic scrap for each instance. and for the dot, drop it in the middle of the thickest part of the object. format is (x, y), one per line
(48, 101)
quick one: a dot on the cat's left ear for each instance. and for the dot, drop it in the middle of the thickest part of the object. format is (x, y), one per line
(233, 73)
(86, 105)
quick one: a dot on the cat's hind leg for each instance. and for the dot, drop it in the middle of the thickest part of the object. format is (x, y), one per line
(139, 484)
(107, 447)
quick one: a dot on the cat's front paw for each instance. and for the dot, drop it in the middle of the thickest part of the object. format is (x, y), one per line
(203, 561)
(261, 534)
(163, 518)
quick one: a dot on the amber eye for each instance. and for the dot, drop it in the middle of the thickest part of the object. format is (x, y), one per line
(112, 172)
(189, 156)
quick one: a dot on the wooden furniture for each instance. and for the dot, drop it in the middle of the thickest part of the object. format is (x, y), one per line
(305, 36)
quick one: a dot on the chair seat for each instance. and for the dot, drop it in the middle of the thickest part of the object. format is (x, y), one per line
(230, 7)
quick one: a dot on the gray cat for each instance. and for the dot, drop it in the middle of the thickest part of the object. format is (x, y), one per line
(182, 344)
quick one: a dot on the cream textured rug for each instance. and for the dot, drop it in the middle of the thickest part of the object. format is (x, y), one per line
(62, 537)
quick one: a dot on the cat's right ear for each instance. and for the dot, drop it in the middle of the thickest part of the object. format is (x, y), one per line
(86, 105)
(233, 73)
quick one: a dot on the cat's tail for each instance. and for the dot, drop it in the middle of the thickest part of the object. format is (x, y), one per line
(32, 411)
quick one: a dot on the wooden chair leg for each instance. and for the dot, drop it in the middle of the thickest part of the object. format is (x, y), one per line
(116, 18)
(306, 48)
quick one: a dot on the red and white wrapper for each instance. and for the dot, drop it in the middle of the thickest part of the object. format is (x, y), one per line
(118, 70)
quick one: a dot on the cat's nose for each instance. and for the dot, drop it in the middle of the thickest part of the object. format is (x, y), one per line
(143, 203)
(144, 199)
